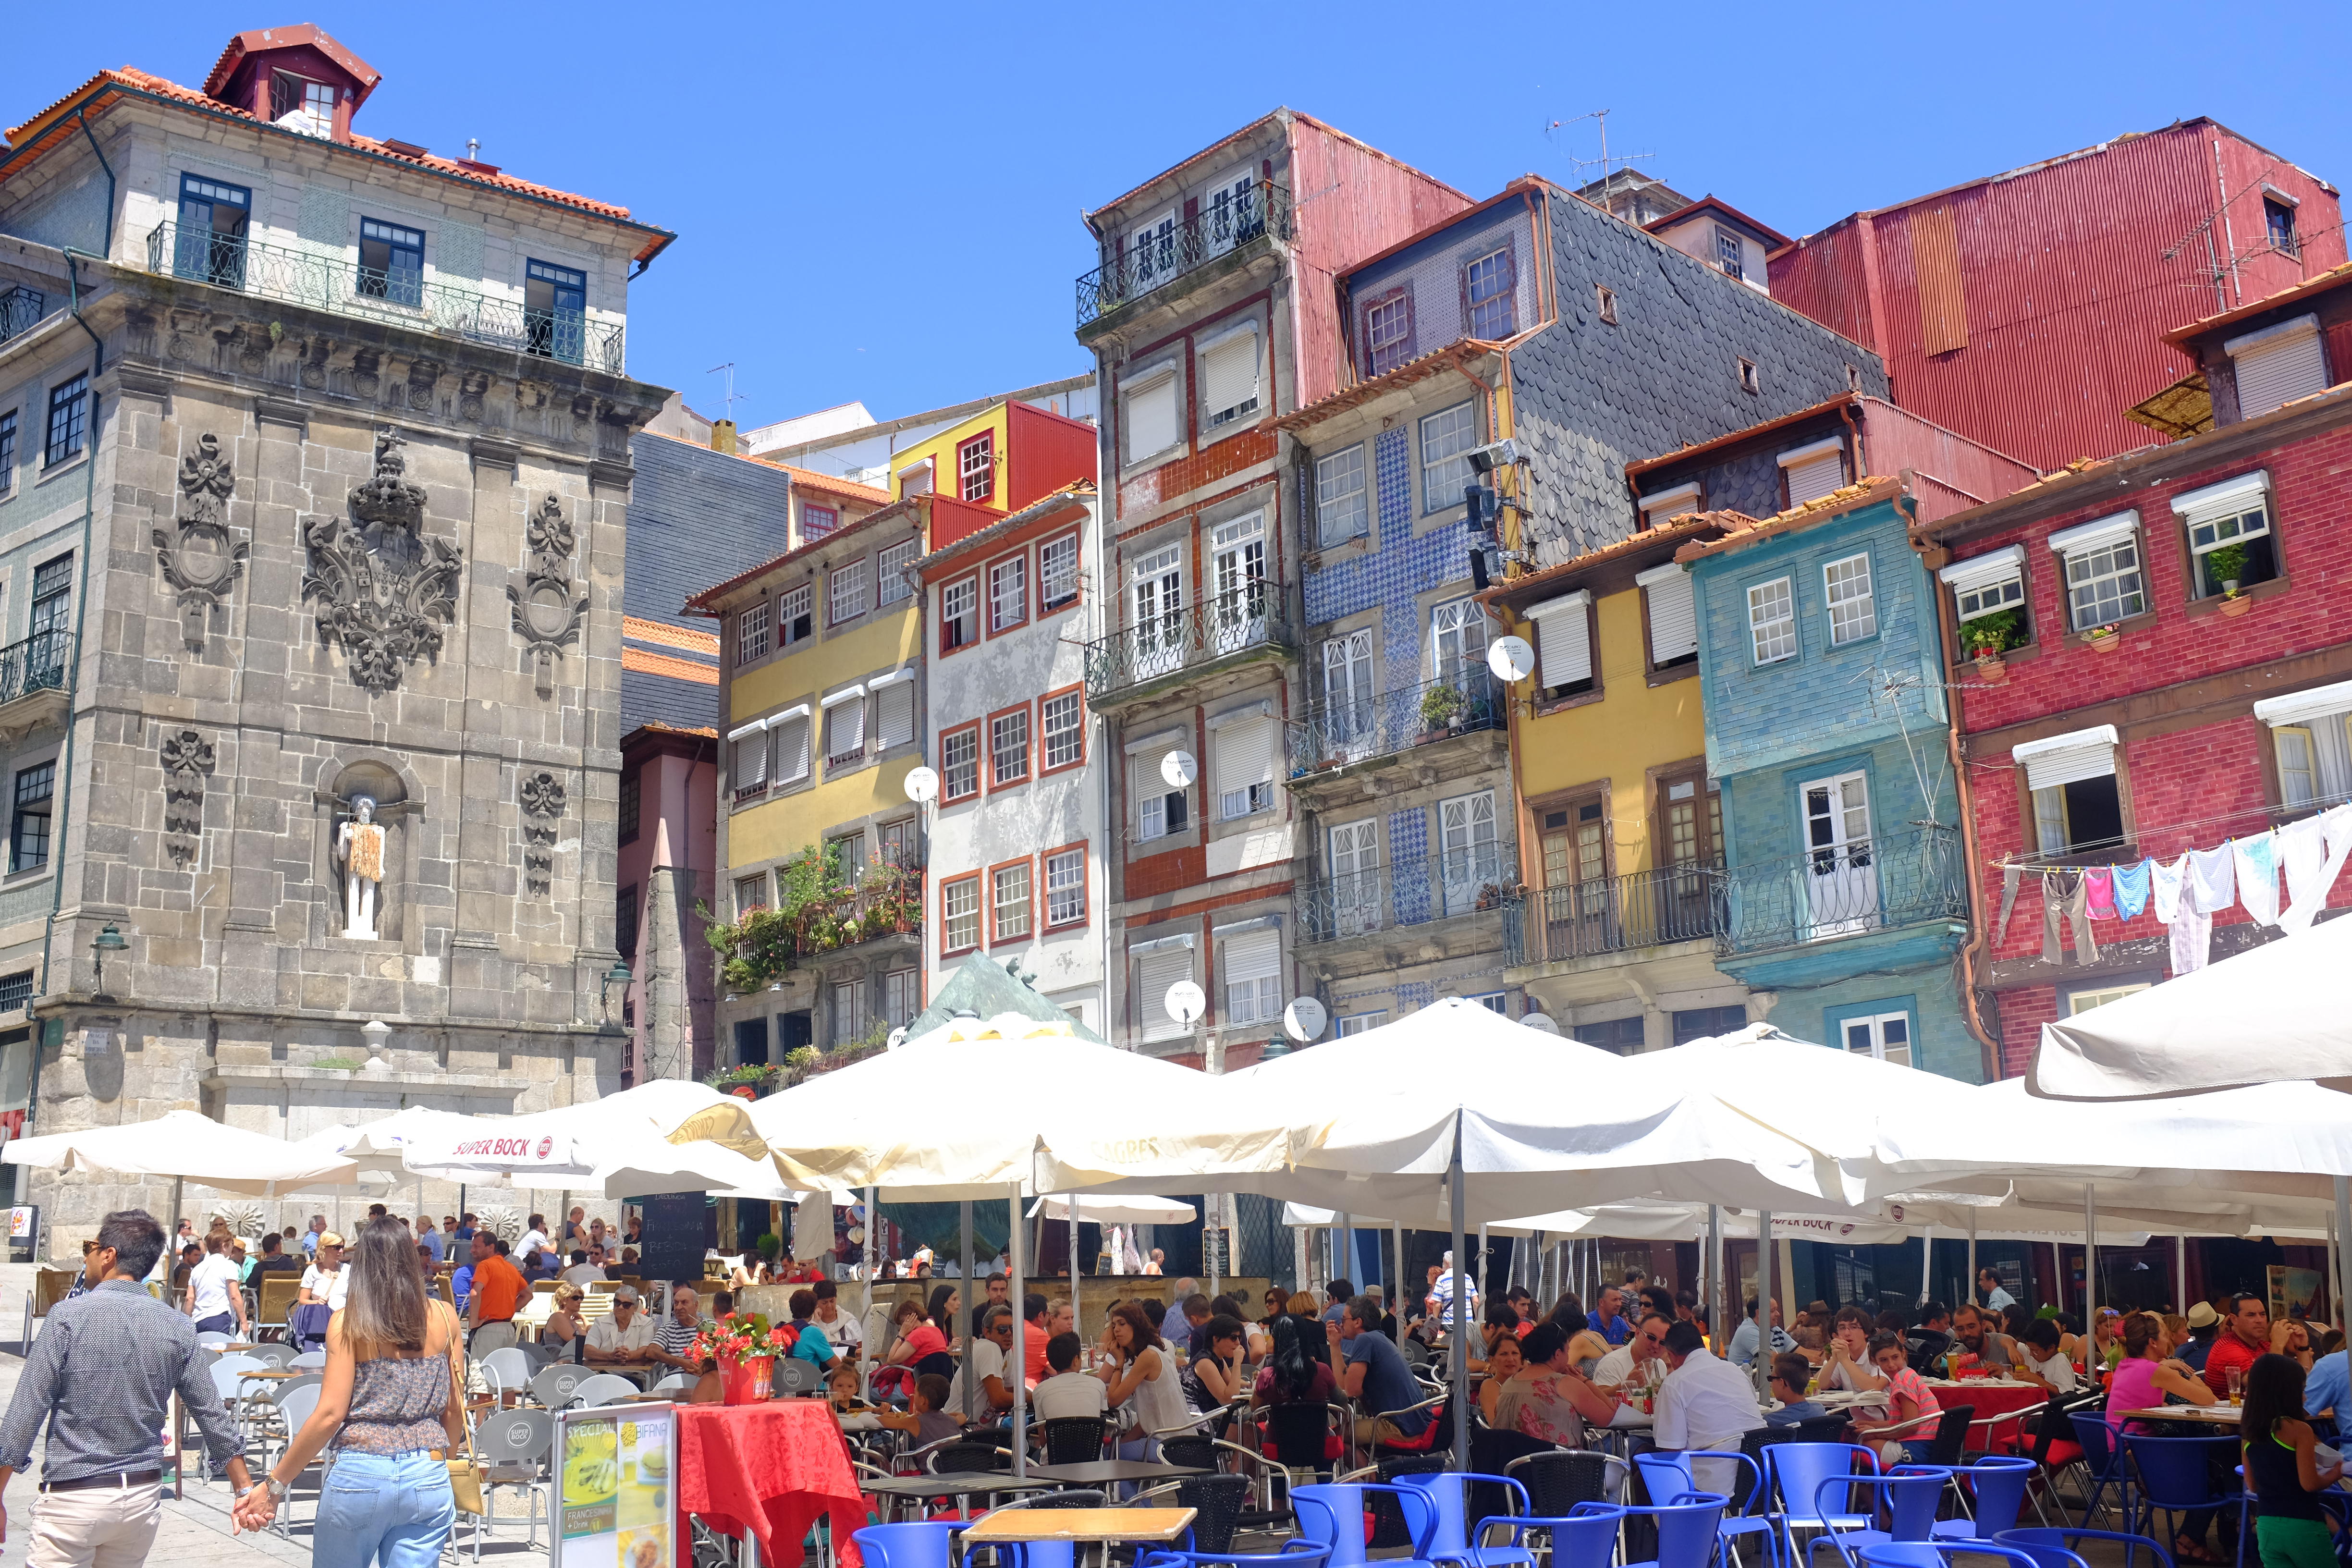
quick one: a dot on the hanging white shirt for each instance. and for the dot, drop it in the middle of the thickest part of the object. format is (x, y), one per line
(1707, 1403)
(2257, 869)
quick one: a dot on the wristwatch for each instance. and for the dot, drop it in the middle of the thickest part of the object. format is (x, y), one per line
(277, 1488)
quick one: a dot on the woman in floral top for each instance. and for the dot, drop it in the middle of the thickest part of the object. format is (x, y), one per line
(1908, 1393)
(1550, 1398)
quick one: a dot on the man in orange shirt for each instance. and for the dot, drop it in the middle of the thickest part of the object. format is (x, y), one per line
(499, 1289)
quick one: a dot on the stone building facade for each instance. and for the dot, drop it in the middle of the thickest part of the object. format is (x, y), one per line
(348, 552)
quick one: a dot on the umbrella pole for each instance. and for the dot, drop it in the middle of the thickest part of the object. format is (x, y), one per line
(1927, 1261)
(1761, 1368)
(1461, 1335)
(972, 1299)
(2090, 1259)
(1396, 1296)
(171, 1246)
(1713, 1294)
(1078, 1325)
(2343, 1281)
(1970, 1293)
(2180, 1259)
(1015, 1375)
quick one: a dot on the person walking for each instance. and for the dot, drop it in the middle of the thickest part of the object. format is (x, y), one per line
(392, 1406)
(101, 1376)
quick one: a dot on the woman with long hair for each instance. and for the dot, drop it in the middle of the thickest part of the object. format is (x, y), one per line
(2282, 1468)
(2142, 1378)
(1142, 1379)
(393, 1403)
(1585, 1348)
(946, 1302)
(1291, 1375)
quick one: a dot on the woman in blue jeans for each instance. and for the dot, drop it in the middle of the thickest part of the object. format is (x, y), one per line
(392, 1406)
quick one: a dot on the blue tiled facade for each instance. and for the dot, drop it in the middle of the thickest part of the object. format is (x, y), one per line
(1409, 846)
(1393, 577)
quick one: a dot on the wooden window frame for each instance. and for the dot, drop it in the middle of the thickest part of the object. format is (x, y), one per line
(990, 783)
(1037, 743)
(1373, 370)
(1509, 291)
(979, 763)
(996, 937)
(979, 615)
(1086, 889)
(1028, 583)
(984, 447)
(1077, 538)
(972, 879)
(833, 615)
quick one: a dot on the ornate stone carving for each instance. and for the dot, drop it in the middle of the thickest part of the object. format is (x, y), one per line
(543, 797)
(187, 760)
(367, 365)
(471, 386)
(202, 560)
(386, 587)
(422, 375)
(546, 615)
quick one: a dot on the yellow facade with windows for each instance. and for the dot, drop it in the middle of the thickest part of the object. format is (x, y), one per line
(935, 458)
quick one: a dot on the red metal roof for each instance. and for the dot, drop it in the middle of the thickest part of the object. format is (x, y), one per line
(256, 39)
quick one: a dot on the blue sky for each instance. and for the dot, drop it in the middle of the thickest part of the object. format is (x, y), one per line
(881, 202)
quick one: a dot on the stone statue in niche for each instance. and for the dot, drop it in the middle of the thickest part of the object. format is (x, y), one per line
(358, 849)
(201, 560)
(386, 587)
(545, 614)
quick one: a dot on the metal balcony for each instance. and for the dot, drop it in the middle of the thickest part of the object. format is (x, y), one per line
(21, 310)
(1441, 887)
(335, 281)
(1880, 883)
(1625, 914)
(1338, 733)
(1152, 261)
(42, 662)
(1154, 652)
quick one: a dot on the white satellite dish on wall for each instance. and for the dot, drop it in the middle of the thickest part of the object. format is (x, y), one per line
(1510, 658)
(1179, 769)
(1185, 1002)
(1540, 1022)
(1304, 1019)
(923, 786)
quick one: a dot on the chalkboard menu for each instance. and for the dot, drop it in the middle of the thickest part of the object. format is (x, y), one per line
(679, 1228)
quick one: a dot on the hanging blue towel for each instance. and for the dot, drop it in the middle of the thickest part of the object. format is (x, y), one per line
(2131, 889)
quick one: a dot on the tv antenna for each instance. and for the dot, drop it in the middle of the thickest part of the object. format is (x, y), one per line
(1600, 116)
(733, 397)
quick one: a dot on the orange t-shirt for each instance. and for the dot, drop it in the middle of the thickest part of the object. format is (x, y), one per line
(500, 1289)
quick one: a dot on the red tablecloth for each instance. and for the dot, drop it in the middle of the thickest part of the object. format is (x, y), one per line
(770, 1471)
(1990, 1402)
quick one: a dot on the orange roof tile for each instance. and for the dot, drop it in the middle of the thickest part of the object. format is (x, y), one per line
(1459, 352)
(646, 662)
(848, 490)
(1740, 529)
(669, 636)
(1688, 526)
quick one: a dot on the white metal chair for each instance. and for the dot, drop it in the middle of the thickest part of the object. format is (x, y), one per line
(601, 1389)
(675, 1381)
(212, 1340)
(276, 1356)
(295, 1403)
(308, 1361)
(513, 1446)
(505, 1371)
(554, 1386)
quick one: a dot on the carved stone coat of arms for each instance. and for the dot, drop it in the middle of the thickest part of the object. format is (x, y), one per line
(385, 588)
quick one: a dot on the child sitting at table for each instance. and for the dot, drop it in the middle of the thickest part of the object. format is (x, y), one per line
(930, 1420)
(853, 1413)
(1790, 1372)
(1907, 1392)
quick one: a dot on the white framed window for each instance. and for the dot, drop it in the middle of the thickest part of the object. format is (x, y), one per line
(902, 996)
(794, 624)
(1253, 976)
(960, 915)
(1230, 379)
(1445, 471)
(1354, 849)
(1159, 591)
(890, 572)
(845, 728)
(1854, 609)
(1152, 252)
(1150, 405)
(960, 765)
(1156, 969)
(817, 521)
(1773, 621)
(1160, 810)
(1362, 1023)
(1238, 557)
(1009, 901)
(751, 633)
(1008, 748)
(1065, 887)
(791, 734)
(1062, 719)
(2071, 779)
(844, 593)
(1342, 498)
(1232, 215)
(2229, 530)
(1457, 640)
(1885, 1035)
(1347, 711)
(751, 893)
(1241, 746)
(1729, 254)
(2104, 581)
(2080, 1002)
(1813, 470)
(976, 467)
(1490, 287)
(1673, 618)
(2311, 735)
(1470, 862)
(960, 614)
(1008, 593)
(1498, 1001)
(894, 713)
(1986, 584)
(1388, 333)
(2277, 365)
(1564, 640)
(1058, 572)
(849, 1010)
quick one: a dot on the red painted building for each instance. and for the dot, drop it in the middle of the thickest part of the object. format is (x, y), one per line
(2200, 715)
(2027, 309)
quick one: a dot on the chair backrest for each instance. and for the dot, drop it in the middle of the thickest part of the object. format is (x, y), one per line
(792, 1375)
(601, 1389)
(1898, 1554)
(508, 1367)
(212, 1340)
(517, 1436)
(227, 1370)
(675, 1380)
(309, 1359)
(2172, 1469)
(292, 1385)
(947, 1458)
(1688, 1529)
(1077, 1440)
(1216, 1503)
(1195, 1449)
(2061, 1547)
(917, 1544)
(274, 1354)
(555, 1386)
(1296, 1430)
(1586, 1536)
(1951, 1432)
(299, 1400)
(1332, 1515)
(1449, 1502)
(1559, 1480)
(1800, 1468)
(1999, 1482)
(2095, 1437)
(278, 1290)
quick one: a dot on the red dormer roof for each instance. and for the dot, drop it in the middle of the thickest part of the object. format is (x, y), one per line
(302, 35)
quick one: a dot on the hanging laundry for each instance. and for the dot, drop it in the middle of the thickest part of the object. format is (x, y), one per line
(2099, 885)
(2213, 874)
(2164, 888)
(2078, 915)
(2258, 877)
(2009, 880)
(2312, 852)
(2191, 923)
(2192, 941)
(2053, 950)
(2131, 889)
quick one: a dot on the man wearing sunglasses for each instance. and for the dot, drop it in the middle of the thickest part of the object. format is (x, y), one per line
(1636, 1363)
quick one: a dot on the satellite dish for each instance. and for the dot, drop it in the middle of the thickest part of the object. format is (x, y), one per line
(923, 786)
(1185, 1002)
(898, 1038)
(1511, 659)
(1179, 769)
(1304, 1019)
(1540, 1022)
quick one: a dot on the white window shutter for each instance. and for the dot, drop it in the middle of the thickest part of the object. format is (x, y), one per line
(2067, 759)
(1253, 956)
(792, 749)
(1815, 477)
(2279, 366)
(1674, 618)
(1151, 419)
(752, 760)
(1154, 973)
(1564, 639)
(895, 713)
(847, 722)
(1229, 374)
(1244, 754)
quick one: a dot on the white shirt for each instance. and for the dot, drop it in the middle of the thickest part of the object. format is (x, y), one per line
(2058, 1371)
(1067, 1394)
(2000, 1299)
(1706, 1403)
(212, 1281)
(843, 1332)
(313, 1281)
(983, 1360)
(605, 1334)
(532, 1240)
(1616, 1368)
(585, 1274)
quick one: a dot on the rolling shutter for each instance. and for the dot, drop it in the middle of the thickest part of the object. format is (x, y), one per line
(894, 714)
(1564, 638)
(750, 743)
(1152, 417)
(2065, 759)
(2278, 365)
(1229, 377)
(1244, 753)
(1253, 956)
(791, 734)
(1154, 973)
(1673, 619)
(845, 722)
(1814, 470)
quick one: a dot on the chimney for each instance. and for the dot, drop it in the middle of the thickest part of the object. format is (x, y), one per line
(722, 436)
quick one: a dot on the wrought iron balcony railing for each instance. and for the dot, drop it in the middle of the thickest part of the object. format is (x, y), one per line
(337, 283)
(1156, 257)
(1339, 731)
(1873, 884)
(1440, 887)
(1624, 914)
(1171, 642)
(21, 310)
(42, 662)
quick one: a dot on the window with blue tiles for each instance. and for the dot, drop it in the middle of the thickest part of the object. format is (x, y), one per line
(1845, 588)
(68, 420)
(1342, 504)
(7, 451)
(1446, 438)
(391, 263)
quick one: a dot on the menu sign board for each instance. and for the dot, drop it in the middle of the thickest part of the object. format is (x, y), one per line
(614, 1468)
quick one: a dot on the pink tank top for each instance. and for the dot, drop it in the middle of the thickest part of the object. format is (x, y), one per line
(2133, 1387)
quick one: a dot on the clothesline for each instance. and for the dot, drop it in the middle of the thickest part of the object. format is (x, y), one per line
(2187, 892)
(2144, 831)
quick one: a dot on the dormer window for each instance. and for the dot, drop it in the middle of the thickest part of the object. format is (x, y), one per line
(298, 104)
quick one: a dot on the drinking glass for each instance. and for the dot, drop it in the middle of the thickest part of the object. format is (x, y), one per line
(2237, 1383)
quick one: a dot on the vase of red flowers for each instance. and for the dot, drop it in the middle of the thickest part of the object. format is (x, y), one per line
(745, 1345)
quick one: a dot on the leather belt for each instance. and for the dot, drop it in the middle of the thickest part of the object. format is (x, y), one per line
(122, 1480)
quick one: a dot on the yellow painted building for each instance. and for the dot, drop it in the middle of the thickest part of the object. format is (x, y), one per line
(1618, 822)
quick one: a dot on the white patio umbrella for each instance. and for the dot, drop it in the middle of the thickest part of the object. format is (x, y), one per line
(187, 1147)
(2275, 1013)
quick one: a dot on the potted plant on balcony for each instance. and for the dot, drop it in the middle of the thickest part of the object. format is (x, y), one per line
(2226, 565)
(1987, 638)
(1441, 707)
(2103, 639)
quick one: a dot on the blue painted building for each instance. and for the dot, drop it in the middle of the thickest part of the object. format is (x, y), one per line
(1847, 898)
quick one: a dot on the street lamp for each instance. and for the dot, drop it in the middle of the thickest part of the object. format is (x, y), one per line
(620, 975)
(106, 941)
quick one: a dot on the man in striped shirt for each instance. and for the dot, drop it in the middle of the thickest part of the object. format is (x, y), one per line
(685, 1321)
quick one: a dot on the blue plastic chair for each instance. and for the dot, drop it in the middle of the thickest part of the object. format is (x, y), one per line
(1668, 1473)
(2173, 1479)
(915, 1544)
(2103, 1461)
(1294, 1553)
(2054, 1546)
(1583, 1537)
(1331, 1515)
(1997, 1485)
(1963, 1554)
(1449, 1541)
(1911, 1493)
(1689, 1530)
(1797, 1472)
